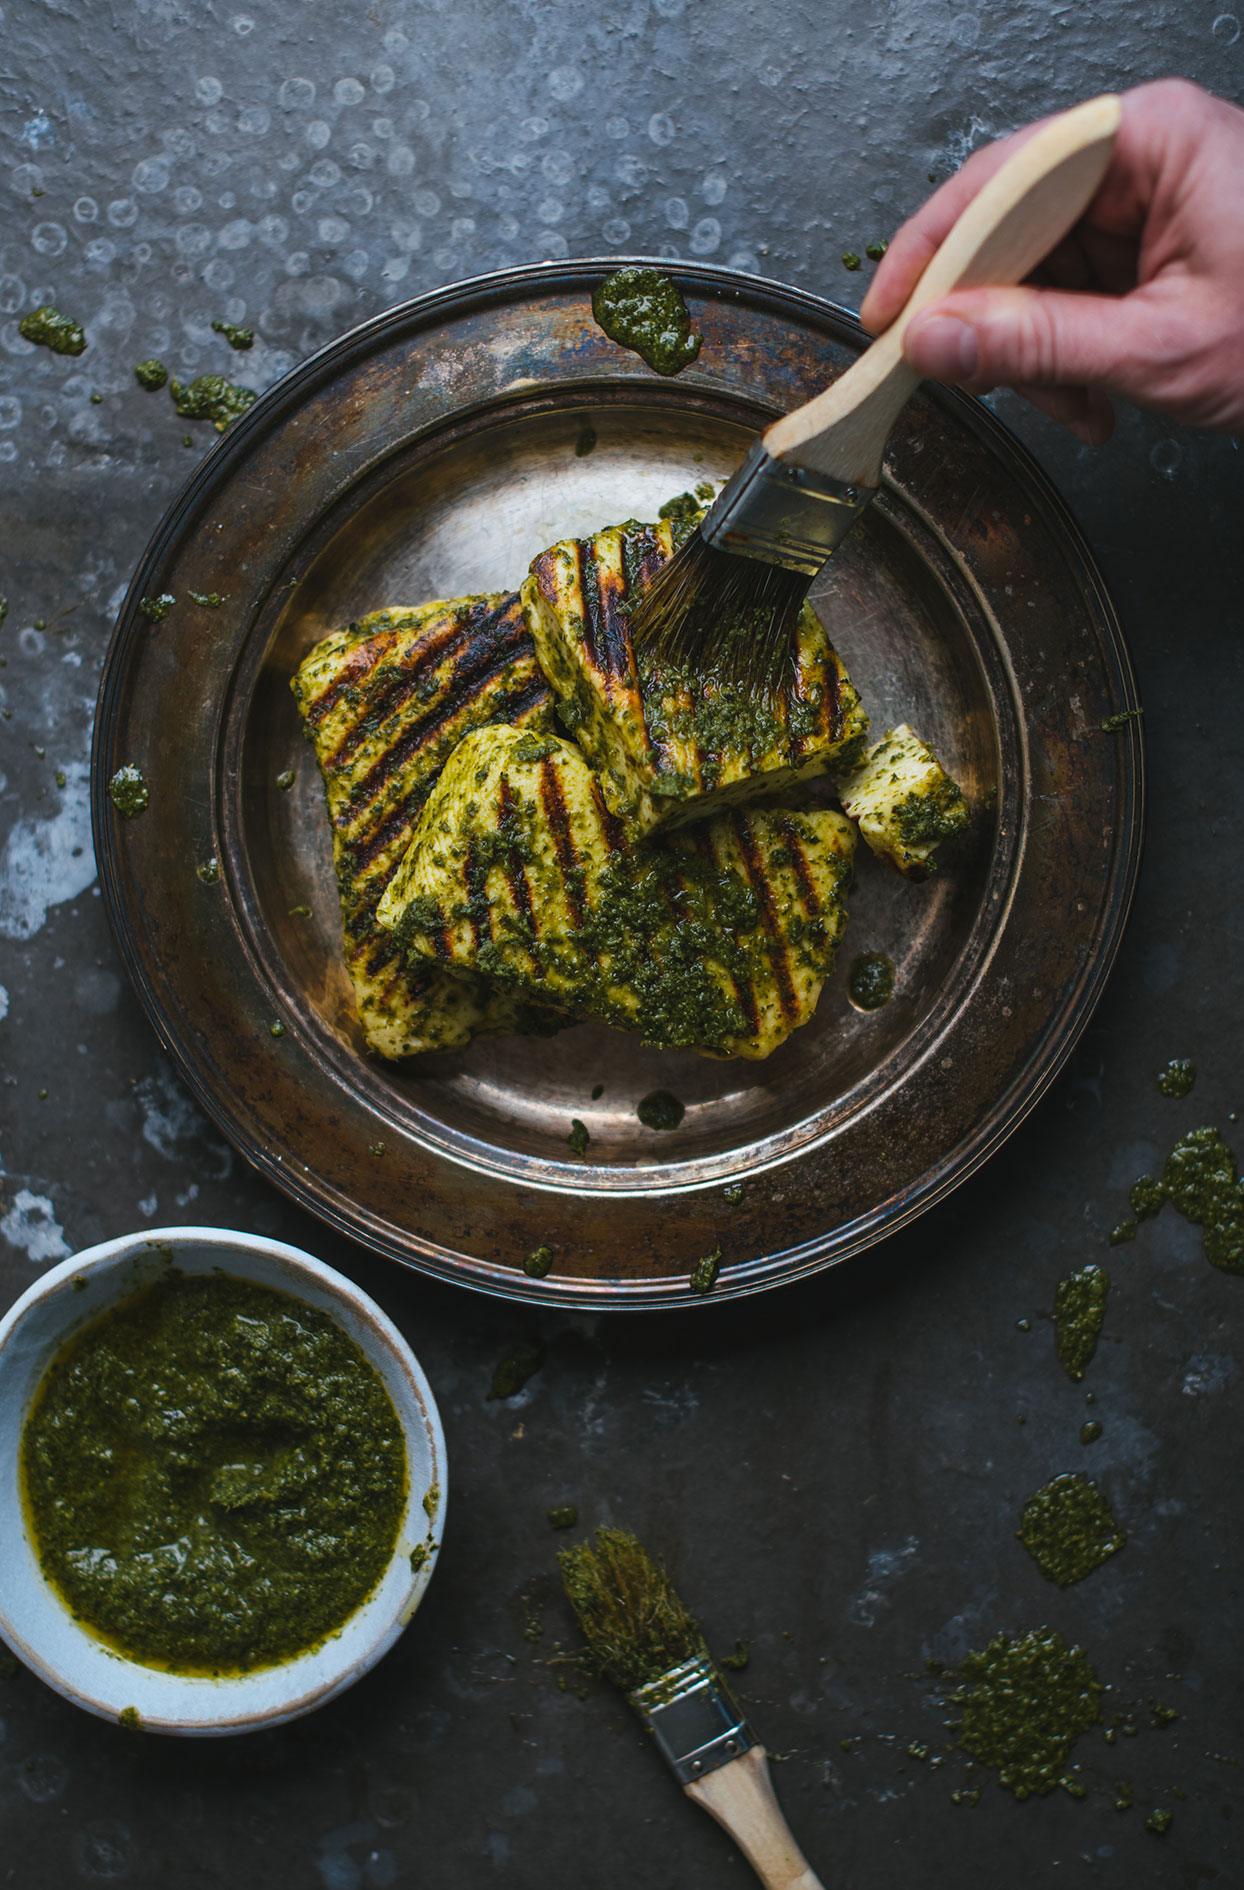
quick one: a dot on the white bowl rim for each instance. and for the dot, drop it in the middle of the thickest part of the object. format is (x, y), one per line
(298, 1698)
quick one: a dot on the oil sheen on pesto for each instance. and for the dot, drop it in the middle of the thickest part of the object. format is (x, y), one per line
(214, 1475)
(1079, 1310)
(1068, 1529)
(643, 310)
(1027, 1698)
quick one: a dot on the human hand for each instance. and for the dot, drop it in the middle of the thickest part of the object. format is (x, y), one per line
(1144, 299)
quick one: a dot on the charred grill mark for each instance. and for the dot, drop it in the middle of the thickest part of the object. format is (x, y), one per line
(464, 708)
(775, 944)
(799, 866)
(355, 664)
(613, 641)
(558, 816)
(611, 827)
(517, 878)
(372, 955)
(589, 590)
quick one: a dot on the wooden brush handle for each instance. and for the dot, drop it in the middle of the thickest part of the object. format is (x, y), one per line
(1023, 211)
(740, 1796)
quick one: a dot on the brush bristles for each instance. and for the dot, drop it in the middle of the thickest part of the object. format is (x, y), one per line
(717, 614)
(628, 1609)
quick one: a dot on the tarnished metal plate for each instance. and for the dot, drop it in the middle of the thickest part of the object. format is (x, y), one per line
(433, 452)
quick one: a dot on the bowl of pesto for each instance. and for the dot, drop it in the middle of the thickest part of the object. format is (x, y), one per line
(222, 1481)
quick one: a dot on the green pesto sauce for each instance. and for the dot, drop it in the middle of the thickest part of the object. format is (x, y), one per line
(690, 706)
(155, 609)
(870, 981)
(850, 260)
(212, 397)
(130, 1718)
(1090, 1432)
(738, 1659)
(1146, 1197)
(214, 1475)
(1068, 1530)
(733, 1193)
(1126, 1230)
(1159, 1821)
(128, 791)
(151, 374)
(643, 310)
(579, 1137)
(704, 1272)
(563, 1516)
(238, 338)
(285, 780)
(933, 814)
(538, 1263)
(209, 872)
(660, 1110)
(1028, 1699)
(875, 251)
(4, 608)
(210, 600)
(511, 1373)
(1079, 1310)
(50, 329)
(1177, 1077)
(1201, 1182)
(1120, 720)
(683, 505)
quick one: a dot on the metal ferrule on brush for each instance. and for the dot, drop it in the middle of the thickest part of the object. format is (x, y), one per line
(784, 515)
(693, 1719)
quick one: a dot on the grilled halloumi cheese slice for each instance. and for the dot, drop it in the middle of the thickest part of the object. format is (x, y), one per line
(903, 802)
(717, 939)
(671, 746)
(384, 703)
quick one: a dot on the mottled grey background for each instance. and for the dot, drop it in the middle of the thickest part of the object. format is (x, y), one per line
(834, 1473)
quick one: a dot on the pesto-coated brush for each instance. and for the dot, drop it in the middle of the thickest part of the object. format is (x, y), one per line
(652, 1649)
(729, 599)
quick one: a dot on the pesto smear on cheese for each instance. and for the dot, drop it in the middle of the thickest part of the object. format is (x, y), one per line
(213, 1475)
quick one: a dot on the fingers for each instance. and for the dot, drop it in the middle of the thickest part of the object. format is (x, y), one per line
(1038, 337)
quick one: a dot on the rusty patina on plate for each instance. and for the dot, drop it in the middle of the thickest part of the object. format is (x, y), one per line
(434, 451)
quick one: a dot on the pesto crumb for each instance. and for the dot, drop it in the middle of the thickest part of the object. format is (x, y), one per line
(285, 780)
(736, 1661)
(1146, 1197)
(375, 1149)
(704, 1272)
(598, 1090)
(1159, 1821)
(733, 1193)
(211, 397)
(538, 1263)
(130, 1718)
(579, 1138)
(151, 374)
(1120, 720)
(1068, 1529)
(128, 791)
(1079, 1311)
(48, 328)
(276, 1028)
(1090, 1432)
(850, 260)
(1028, 1699)
(432, 1500)
(418, 1556)
(61, 777)
(512, 1372)
(875, 251)
(209, 872)
(660, 1110)
(300, 912)
(643, 310)
(155, 609)
(1126, 1230)
(97, 400)
(238, 338)
(563, 1516)
(1177, 1077)
(210, 600)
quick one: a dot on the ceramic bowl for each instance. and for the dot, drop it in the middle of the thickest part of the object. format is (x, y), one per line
(36, 1623)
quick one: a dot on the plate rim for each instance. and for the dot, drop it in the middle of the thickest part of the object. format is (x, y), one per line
(1027, 1086)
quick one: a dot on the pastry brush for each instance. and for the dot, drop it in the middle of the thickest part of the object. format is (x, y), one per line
(652, 1649)
(729, 598)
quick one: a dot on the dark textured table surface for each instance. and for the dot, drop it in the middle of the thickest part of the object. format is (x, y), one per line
(834, 1472)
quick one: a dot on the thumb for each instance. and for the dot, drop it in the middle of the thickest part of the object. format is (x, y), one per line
(1033, 337)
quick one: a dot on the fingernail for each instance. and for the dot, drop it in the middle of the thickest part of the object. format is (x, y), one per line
(943, 348)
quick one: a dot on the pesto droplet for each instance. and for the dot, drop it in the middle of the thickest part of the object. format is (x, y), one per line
(850, 260)
(151, 374)
(128, 791)
(870, 981)
(1028, 1699)
(1177, 1077)
(1120, 720)
(210, 600)
(538, 1263)
(1079, 1310)
(579, 1138)
(48, 328)
(1068, 1529)
(155, 609)
(660, 1110)
(209, 872)
(563, 1516)
(1146, 1197)
(875, 251)
(513, 1371)
(1200, 1181)
(704, 1272)
(238, 338)
(643, 310)
(211, 397)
